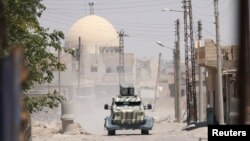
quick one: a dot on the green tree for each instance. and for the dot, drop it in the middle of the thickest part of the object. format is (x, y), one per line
(24, 30)
(34, 104)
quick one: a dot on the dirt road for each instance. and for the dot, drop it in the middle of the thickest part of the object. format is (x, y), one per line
(161, 132)
(89, 113)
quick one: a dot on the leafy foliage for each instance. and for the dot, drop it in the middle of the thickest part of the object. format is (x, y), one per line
(34, 104)
(24, 30)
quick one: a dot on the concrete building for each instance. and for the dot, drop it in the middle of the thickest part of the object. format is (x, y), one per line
(207, 59)
(146, 72)
(146, 76)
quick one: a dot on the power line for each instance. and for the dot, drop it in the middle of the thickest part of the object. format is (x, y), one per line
(115, 3)
(204, 19)
(130, 27)
(199, 13)
(138, 2)
(225, 14)
(201, 7)
(130, 24)
(223, 1)
(117, 11)
(132, 32)
(197, 3)
(112, 8)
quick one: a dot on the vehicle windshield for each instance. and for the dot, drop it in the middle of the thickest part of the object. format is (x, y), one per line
(127, 103)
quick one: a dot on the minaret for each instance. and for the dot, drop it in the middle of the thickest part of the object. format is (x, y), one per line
(91, 8)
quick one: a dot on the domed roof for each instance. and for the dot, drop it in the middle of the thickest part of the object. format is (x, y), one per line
(94, 31)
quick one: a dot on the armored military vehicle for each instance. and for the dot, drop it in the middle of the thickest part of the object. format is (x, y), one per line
(127, 112)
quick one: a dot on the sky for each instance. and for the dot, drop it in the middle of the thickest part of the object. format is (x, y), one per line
(144, 21)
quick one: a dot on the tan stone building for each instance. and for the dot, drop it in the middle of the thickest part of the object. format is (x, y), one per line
(207, 59)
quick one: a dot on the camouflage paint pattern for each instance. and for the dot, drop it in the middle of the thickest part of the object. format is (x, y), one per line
(128, 114)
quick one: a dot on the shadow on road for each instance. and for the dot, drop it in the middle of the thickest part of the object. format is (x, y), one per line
(129, 135)
(195, 126)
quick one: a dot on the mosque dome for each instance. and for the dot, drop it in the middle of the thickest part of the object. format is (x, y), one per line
(95, 32)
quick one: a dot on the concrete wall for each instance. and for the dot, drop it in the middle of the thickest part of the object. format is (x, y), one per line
(146, 72)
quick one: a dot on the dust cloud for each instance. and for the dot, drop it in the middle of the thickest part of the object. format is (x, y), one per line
(90, 113)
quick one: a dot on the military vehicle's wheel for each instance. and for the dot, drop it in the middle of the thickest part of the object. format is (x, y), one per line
(111, 132)
(144, 132)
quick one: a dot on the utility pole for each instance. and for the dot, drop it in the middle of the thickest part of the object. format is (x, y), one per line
(200, 69)
(219, 67)
(178, 72)
(79, 62)
(175, 82)
(59, 72)
(121, 56)
(157, 80)
(189, 62)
